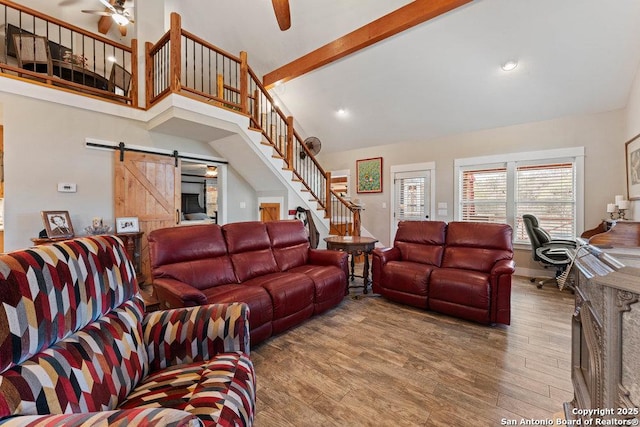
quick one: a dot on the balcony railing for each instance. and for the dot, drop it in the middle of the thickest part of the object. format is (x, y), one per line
(180, 62)
(72, 58)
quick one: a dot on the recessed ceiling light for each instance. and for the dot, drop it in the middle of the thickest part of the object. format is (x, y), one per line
(342, 112)
(111, 58)
(509, 65)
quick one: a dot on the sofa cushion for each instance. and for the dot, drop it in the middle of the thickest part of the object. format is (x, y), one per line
(94, 369)
(409, 277)
(249, 246)
(328, 284)
(194, 254)
(256, 297)
(477, 246)
(464, 287)
(218, 391)
(289, 242)
(57, 292)
(421, 241)
(290, 292)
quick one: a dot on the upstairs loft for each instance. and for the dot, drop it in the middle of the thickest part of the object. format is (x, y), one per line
(43, 50)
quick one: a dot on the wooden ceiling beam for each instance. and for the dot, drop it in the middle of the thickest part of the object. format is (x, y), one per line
(399, 20)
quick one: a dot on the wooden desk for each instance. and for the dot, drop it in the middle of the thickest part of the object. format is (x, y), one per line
(614, 233)
(132, 243)
(354, 245)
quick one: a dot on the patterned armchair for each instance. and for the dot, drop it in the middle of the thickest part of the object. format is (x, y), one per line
(77, 349)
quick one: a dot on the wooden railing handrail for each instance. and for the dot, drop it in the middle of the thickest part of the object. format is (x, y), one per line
(64, 24)
(208, 45)
(309, 153)
(153, 48)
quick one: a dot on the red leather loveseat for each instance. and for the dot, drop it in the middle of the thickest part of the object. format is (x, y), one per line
(462, 269)
(268, 266)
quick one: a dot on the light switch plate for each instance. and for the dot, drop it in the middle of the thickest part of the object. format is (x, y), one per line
(67, 187)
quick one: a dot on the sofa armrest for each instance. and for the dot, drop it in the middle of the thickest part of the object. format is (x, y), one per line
(504, 266)
(190, 334)
(384, 255)
(159, 417)
(327, 257)
(174, 294)
(501, 291)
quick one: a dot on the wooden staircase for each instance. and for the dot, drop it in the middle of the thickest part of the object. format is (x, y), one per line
(237, 88)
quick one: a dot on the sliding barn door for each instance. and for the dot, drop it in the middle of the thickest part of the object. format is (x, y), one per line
(147, 186)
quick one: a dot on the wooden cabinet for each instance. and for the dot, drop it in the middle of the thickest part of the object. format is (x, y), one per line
(605, 357)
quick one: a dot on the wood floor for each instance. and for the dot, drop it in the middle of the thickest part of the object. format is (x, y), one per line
(371, 362)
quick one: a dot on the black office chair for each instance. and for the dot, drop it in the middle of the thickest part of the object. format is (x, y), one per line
(554, 253)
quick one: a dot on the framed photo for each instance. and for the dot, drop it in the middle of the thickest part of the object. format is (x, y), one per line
(632, 155)
(369, 175)
(127, 225)
(57, 224)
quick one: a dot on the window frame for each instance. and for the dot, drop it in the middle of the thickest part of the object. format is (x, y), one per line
(511, 161)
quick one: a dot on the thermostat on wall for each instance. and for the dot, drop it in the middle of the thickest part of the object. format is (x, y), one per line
(66, 187)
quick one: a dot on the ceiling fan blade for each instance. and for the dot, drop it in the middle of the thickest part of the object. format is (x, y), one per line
(97, 12)
(123, 30)
(107, 4)
(104, 23)
(283, 15)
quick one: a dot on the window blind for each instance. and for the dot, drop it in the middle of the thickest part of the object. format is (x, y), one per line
(548, 192)
(484, 195)
(410, 197)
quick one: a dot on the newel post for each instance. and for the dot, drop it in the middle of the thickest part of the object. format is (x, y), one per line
(175, 33)
(148, 74)
(134, 72)
(290, 150)
(327, 192)
(244, 83)
(357, 221)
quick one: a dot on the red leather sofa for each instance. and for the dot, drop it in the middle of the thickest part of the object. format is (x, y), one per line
(268, 266)
(462, 269)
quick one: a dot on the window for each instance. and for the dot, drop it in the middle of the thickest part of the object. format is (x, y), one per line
(546, 184)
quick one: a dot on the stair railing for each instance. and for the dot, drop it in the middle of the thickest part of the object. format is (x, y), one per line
(181, 62)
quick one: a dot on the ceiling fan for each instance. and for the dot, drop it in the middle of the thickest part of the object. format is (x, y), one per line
(283, 15)
(118, 13)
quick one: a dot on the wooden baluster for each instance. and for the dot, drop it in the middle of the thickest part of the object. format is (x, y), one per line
(220, 89)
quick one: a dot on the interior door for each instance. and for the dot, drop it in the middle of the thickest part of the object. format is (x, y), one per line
(269, 212)
(412, 196)
(147, 186)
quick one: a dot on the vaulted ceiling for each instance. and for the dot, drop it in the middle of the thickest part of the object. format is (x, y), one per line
(438, 78)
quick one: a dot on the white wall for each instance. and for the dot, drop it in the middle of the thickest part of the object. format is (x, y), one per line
(602, 135)
(44, 145)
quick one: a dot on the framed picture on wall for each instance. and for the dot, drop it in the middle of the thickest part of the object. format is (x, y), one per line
(127, 225)
(632, 155)
(57, 224)
(369, 175)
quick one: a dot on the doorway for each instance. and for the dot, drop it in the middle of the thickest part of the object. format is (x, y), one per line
(411, 194)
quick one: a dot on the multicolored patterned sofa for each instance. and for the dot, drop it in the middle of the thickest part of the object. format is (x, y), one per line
(77, 349)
